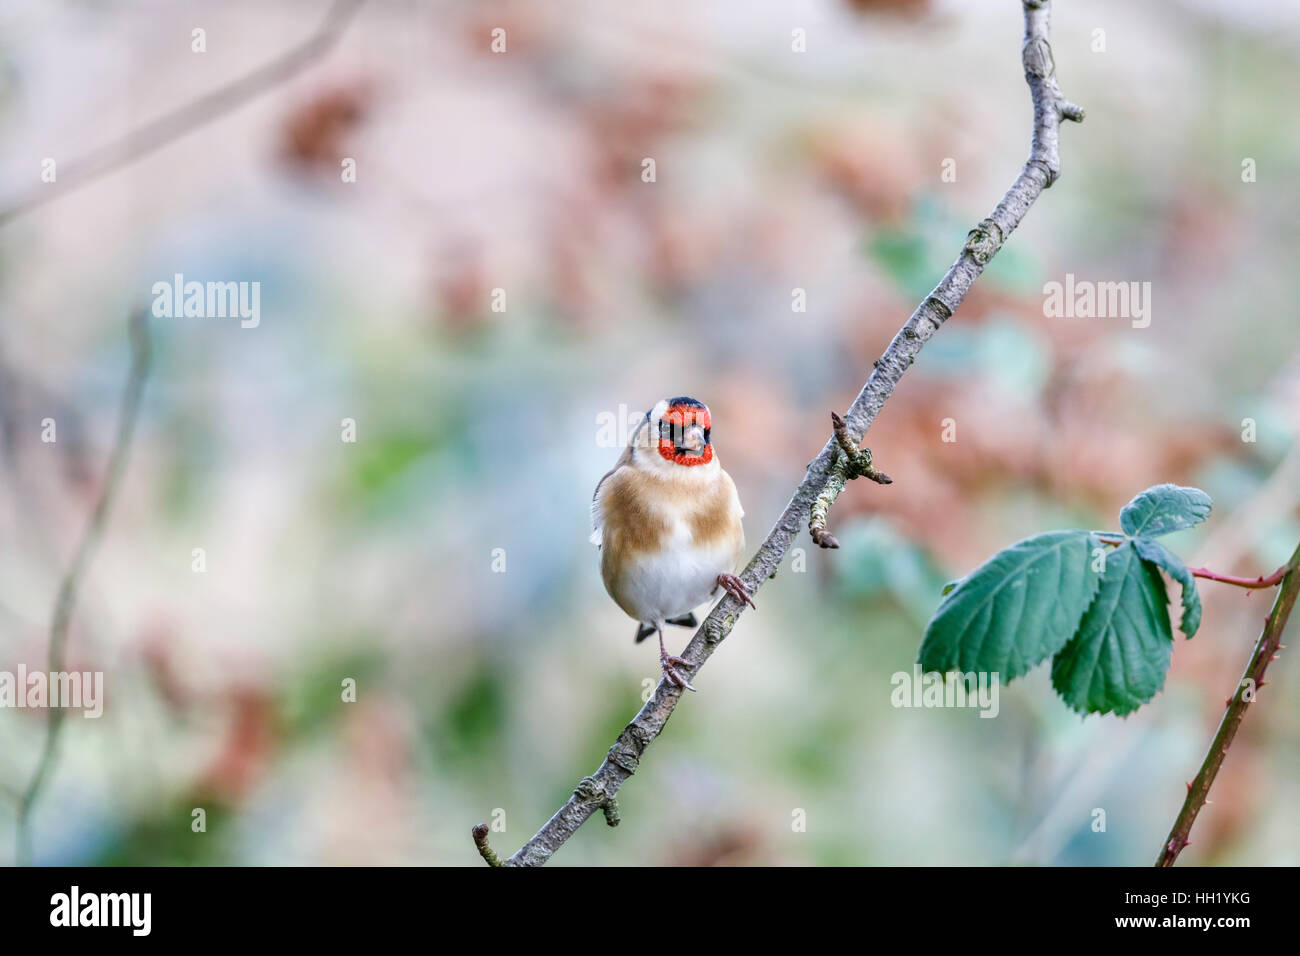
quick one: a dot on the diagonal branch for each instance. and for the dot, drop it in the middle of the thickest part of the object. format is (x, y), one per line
(983, 242)
(66, 602)
(1266, 649)
(185, 119)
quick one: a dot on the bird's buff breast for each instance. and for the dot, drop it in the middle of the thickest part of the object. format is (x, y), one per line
(665, 583)
(660, 557)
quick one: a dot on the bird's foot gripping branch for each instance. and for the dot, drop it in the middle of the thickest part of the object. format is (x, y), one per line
(1095, 602)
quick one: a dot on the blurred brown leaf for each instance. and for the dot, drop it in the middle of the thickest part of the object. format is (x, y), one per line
(314, 135)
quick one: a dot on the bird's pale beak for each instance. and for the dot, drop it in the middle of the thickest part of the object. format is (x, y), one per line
(694, 438)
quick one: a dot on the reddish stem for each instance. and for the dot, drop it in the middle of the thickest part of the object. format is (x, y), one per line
(1272, 580)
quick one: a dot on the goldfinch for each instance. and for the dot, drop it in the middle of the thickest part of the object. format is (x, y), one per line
(667, 523)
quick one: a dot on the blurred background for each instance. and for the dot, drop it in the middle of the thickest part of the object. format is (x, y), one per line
(441, 560)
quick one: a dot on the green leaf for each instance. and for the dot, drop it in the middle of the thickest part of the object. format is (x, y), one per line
(1151, 550)
(1117, 660)
(1016, 609)
(1164, 508)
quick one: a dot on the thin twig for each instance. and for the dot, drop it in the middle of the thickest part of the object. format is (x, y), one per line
(66, 601)
(1113, 540)
(485, 850)
(185, 119)
(850, 462)
(1252, 680)
(1259, 582)
(821, 506)
(983, 242)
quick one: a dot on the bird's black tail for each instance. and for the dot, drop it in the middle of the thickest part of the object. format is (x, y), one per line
(686, 620)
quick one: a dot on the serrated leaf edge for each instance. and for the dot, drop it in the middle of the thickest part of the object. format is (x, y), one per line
(1096, 587)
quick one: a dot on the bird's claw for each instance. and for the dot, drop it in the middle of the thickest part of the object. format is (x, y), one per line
(736, 588)
(670, 665)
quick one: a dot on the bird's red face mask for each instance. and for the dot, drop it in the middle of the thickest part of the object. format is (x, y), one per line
(684, 433)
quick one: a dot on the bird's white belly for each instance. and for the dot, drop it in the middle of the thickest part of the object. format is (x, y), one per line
(675, 580)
